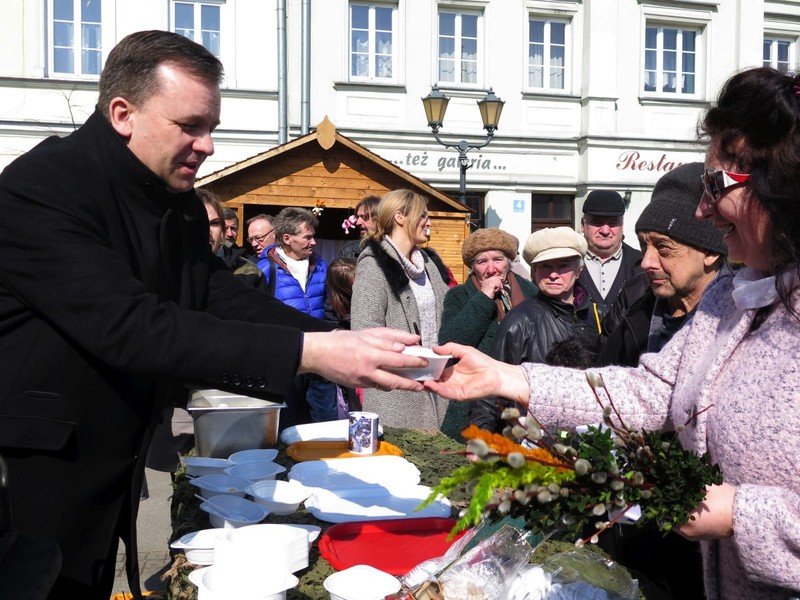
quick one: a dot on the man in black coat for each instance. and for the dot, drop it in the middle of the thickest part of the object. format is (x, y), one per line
(610, 263)
(682, 256)
(110, 298)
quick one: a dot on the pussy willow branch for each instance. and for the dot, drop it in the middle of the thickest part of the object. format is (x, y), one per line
(609, 524)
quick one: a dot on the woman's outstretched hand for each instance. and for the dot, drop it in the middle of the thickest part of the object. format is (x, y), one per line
(476, 376)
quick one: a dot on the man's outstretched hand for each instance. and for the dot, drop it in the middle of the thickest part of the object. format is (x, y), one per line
(361, 358)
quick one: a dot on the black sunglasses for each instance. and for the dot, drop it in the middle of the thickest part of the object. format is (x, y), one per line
(717, 183)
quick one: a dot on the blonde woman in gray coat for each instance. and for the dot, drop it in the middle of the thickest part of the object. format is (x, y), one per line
(400, 285)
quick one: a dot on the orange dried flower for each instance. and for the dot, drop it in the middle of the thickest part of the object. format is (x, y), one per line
(504, 446)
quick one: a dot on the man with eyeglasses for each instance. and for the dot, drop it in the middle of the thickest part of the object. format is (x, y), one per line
(260, 235)
(364, 225)
(610, 263)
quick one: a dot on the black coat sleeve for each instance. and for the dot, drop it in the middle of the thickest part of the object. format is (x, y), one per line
(63, 261)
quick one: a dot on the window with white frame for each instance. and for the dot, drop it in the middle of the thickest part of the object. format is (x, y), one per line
(200, 22)
(459, 46)
(75, 34)
(779, 53)
(372, 41)
(670, 59)
(547, 53)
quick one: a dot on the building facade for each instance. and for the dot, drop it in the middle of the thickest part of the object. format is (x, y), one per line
(598, 93)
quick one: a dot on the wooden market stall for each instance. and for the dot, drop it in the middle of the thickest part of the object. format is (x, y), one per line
(331, 171)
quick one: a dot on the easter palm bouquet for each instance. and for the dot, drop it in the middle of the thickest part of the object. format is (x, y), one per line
(567, 481)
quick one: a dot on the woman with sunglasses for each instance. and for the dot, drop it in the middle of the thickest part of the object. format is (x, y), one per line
(732, 374)
(399, 284)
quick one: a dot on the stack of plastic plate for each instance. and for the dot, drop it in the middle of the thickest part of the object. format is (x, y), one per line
(274, 545)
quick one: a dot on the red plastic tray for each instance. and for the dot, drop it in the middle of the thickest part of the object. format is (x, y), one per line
(393, 546)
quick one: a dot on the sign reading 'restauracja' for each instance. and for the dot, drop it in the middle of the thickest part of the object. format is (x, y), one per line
(632, 160)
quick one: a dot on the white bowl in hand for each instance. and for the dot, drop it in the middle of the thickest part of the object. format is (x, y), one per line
(436, 364)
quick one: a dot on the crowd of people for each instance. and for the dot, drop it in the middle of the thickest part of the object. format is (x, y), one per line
(120, 284)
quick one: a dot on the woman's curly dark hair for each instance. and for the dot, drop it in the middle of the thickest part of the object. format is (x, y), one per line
(755, 126)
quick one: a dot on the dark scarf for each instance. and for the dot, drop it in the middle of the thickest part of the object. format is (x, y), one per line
(509, 296)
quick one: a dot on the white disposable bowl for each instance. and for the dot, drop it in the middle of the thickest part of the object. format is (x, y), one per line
(255, 471)
(198, 546)
(203, 465)
(254, 455)
(230, 512)
(214, 583)
(436, 364)
(220, 484)
(361, 582)
(279, 497)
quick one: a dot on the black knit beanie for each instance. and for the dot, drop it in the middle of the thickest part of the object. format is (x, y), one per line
(672, 207)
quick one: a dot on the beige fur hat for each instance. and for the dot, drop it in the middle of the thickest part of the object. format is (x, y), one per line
(488, 239)
(553, 242)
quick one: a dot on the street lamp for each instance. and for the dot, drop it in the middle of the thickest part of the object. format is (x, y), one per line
(627, 198)
(435, 105)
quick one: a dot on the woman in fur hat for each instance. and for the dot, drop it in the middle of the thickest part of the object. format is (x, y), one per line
(473, 310)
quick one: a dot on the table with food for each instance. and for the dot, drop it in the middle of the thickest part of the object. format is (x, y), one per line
(310, 518)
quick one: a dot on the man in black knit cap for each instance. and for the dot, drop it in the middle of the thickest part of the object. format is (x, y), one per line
(681, 256)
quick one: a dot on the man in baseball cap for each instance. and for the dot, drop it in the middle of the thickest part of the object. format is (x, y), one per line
(610, 263)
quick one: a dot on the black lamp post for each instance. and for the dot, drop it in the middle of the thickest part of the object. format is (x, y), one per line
(435, 105)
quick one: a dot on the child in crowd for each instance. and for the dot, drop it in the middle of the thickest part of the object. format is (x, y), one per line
(339, 283)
